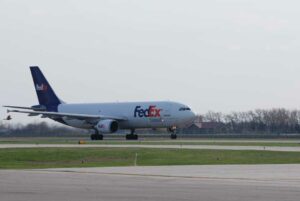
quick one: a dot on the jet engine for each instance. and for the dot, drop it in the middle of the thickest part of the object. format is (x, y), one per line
(107, 126)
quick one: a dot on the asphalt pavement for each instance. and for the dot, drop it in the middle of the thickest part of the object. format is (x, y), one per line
(176, 183)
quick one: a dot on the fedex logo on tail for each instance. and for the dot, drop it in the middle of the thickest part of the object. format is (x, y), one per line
(152, 111)
(41, 87)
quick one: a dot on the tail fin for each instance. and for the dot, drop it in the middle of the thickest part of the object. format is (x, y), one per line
(44, 91)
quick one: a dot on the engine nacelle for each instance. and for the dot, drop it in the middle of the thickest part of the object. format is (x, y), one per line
(107, 126)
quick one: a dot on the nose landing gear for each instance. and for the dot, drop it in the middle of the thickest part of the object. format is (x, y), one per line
(173, 135)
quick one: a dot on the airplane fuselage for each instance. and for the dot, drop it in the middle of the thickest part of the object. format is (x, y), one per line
(162, 114)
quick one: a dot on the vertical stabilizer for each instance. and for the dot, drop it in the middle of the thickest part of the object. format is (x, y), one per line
(44, 91)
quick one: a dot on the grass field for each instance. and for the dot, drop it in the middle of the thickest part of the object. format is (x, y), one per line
(30, 158)
(149, 141)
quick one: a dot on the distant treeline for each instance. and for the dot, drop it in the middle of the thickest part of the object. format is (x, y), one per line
(272, 121)
(39, 129)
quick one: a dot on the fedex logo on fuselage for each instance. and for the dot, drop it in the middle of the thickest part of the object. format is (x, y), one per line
(41, 87)
(152, 111)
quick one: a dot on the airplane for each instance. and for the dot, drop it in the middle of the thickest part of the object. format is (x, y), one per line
(106, 118)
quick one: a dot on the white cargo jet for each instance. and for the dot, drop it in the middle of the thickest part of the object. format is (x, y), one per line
(106, 118)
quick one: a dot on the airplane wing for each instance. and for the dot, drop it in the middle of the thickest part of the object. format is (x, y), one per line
(70, 116)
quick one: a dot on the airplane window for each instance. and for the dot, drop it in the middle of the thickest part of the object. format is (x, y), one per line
(184, 109)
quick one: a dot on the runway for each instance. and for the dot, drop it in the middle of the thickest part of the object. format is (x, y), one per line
(193, 183)
(214, 147)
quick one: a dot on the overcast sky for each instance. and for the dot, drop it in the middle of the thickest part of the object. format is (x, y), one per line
(221, 55)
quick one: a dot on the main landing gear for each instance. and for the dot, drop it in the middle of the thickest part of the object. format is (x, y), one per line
(132, 136)
(173, 135)
(96, 136)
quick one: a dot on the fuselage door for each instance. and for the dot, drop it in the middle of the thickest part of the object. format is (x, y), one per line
(167, 114)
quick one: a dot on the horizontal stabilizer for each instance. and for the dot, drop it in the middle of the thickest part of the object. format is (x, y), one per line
(35, 107)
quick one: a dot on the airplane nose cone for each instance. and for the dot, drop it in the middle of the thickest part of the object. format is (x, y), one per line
(193, 116)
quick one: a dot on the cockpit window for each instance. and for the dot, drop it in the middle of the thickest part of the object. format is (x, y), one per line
(184, 109)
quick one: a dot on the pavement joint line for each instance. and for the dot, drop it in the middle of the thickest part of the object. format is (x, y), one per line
(198, 147)
(165, 176)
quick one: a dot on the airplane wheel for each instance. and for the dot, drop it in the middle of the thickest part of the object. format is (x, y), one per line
(96, 137)
(132, 137)
(93, 137)
(173, 136)
(99, 137)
